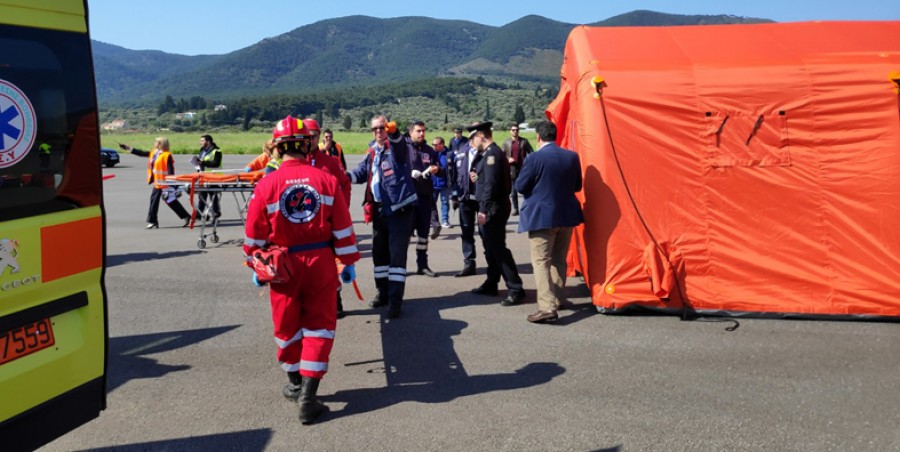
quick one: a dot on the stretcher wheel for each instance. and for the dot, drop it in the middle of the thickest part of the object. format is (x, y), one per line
(201, 244)
(214, 238)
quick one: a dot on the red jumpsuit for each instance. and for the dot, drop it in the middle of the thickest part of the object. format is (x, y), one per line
(332, 165)
(303, 208)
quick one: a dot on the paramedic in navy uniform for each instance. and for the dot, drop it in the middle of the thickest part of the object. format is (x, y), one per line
(391, 196)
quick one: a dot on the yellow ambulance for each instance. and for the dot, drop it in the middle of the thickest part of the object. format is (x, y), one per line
(53, 331)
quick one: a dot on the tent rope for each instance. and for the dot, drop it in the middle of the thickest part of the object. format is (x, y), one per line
(694, 315)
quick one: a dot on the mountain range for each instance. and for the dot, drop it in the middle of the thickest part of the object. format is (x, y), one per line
(357, 51)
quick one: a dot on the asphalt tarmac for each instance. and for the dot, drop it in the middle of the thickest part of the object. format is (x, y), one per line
(192, 361)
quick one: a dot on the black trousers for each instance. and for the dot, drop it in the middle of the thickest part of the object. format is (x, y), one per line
(499, 258)
(467, 212)
(175, 205)
(390, 242)
(514, 196)
(424, 210)
(204, 198)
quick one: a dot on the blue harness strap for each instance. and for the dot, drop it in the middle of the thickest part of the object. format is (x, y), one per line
(308, 247)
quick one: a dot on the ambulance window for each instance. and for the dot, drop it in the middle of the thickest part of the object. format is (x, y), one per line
(46, 94)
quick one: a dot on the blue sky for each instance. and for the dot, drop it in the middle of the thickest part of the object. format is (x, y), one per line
(192, 27)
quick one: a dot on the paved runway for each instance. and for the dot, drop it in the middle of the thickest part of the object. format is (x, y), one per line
(192, 366)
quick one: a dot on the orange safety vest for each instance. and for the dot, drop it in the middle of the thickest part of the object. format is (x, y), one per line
(158, 167)
(337, 146)
(259, 162)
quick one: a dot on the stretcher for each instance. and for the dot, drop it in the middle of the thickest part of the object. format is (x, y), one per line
(237, 182)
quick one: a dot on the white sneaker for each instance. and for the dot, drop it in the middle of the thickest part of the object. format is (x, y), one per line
(446, 225)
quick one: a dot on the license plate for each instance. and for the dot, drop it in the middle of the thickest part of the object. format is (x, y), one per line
(26, 340)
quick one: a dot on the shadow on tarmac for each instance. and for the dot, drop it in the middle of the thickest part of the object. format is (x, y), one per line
(121, 259)
(126, 360)
(248, 440)
(421, 365)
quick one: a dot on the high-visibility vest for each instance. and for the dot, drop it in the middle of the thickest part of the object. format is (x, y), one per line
(273, 165)
(158, 167)
(209, 157)
(337, 147)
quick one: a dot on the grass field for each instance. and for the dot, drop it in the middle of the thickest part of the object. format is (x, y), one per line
(251, 143)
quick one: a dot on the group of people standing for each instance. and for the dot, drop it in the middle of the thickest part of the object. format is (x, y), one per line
(405, 177)
(303, 207)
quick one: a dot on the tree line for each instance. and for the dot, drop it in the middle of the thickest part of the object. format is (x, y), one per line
(270, 108)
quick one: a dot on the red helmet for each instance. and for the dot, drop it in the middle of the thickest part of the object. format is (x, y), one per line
(289, 129)
(312, 125)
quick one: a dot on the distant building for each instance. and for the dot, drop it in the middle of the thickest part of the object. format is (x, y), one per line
(116, 124)
(189, 115)
(220, 107)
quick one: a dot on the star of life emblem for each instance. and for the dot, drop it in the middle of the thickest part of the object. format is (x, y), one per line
(17, 124)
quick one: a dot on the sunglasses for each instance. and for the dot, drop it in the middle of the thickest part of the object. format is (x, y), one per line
(375, 129)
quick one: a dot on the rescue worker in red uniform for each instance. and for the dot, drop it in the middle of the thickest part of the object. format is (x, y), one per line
(331, 165)
(326, 162)
(303, 208)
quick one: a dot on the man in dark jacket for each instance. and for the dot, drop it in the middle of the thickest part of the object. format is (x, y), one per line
(424, 167)
(442, 187)
(490, 172)
(548, 182)
(463, 198)
(458, 140)
(210, 158)
(516, 149)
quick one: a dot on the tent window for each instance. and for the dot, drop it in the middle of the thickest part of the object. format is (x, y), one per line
(735, 138)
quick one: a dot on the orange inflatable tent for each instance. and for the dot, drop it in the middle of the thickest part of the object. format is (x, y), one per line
(737, 169)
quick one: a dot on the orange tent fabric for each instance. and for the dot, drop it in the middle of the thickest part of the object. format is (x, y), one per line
(749, 169)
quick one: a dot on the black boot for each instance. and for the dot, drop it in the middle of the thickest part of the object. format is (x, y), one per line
(381, 296)
(468, 270)
(394, 311)
(310, 406)
(378, 301)
(291, 391)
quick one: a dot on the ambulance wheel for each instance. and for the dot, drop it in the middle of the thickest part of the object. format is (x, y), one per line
(201, 244)
(214, 238)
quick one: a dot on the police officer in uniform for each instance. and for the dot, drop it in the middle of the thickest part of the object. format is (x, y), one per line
(490, 172)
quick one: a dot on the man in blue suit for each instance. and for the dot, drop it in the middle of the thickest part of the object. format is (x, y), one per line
(549, 179)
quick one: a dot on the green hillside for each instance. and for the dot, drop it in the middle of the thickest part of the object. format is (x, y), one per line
(643, 18)
(355, 51)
